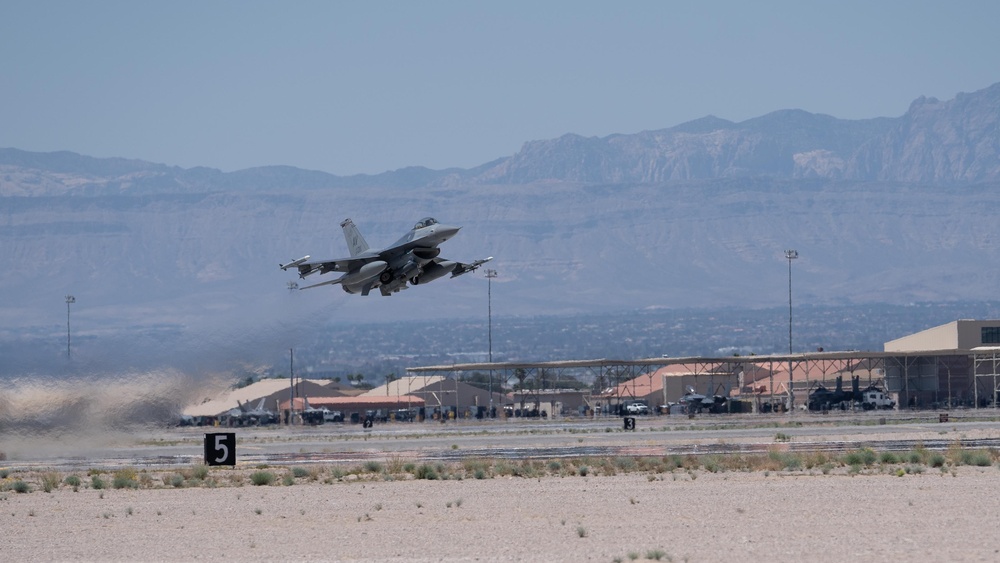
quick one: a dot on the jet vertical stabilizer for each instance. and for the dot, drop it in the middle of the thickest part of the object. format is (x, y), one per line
(355, 242)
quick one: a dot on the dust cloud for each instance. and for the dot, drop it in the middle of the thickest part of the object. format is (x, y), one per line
(116, 383)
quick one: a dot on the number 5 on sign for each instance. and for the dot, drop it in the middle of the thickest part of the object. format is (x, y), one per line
(220, 448)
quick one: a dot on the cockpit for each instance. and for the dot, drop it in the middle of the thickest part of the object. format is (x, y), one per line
(425, 222)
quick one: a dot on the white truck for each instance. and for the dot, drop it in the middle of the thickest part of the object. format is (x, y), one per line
(636, 408)
(873, 398)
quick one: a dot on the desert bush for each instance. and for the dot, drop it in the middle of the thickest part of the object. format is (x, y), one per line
(72, 481)
(854, 458)
(373, 467)
(503, 468)
(300, 472)
(199, 471)
(785, 460)
(260, 478)
(711, 464)
(50, 480)
(125, 479)
(96, 482)
(888, 458)
(626, 464)
(981, 459)
(426, 471)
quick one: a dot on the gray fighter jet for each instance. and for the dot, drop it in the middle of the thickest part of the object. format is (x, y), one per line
(411, 259)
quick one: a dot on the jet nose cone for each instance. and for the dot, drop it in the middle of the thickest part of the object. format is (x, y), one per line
(446, 232)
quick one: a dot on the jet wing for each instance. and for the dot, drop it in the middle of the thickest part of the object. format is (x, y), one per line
(308, 268)
(461, 268)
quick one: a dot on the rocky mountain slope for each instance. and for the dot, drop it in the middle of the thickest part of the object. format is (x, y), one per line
(955, 141)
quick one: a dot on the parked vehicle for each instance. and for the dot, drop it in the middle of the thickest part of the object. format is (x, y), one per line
(636, 407)
(874, 398)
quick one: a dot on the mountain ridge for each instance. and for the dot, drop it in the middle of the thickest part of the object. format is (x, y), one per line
(953, 141)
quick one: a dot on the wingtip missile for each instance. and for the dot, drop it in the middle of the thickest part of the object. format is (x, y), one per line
(293, 263)
(466, 268)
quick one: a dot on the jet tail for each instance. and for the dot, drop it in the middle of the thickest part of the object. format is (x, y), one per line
(355, 242)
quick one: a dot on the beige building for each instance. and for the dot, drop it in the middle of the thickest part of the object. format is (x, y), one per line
(957, 363)
(961, 335)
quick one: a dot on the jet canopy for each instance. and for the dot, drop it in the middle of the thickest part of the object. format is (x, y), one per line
(425, 222)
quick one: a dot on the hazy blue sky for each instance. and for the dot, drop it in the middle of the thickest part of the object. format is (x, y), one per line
(373, 86)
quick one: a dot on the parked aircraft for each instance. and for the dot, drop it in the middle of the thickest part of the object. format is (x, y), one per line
(696, 402)
(249, 416)
(822, 398)
(413, 259)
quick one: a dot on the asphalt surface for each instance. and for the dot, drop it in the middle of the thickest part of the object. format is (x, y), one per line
(510, 439)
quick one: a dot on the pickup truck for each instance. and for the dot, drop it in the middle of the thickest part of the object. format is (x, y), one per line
(636, 408)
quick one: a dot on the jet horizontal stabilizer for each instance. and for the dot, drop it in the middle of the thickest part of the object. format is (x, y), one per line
(329, 282)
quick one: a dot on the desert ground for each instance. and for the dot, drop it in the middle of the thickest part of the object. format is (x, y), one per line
(395, 497)
(679, 516)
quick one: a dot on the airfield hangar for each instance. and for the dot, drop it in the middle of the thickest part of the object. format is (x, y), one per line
(953, 365)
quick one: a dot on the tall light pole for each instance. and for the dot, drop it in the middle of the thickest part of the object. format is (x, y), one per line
(490, 274)
(69, 301)
(790, 255)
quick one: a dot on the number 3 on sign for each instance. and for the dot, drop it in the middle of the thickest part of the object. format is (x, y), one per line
(220, 448)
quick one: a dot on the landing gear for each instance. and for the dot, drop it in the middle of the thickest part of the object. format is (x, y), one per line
(385, 277)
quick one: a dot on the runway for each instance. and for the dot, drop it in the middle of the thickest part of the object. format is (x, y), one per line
(514, 439)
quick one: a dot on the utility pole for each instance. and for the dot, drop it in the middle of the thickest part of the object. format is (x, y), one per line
(490, 274)
(790, 255)
(291, 386)
(69, 301)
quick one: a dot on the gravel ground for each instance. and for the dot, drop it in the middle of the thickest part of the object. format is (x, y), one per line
(680, 516)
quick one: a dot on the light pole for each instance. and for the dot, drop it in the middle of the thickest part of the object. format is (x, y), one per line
(490, 274)
(69, 301)
(790, 255)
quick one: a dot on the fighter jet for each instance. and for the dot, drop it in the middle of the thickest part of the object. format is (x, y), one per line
(245, 415)
(695, 402)
(413, 259)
